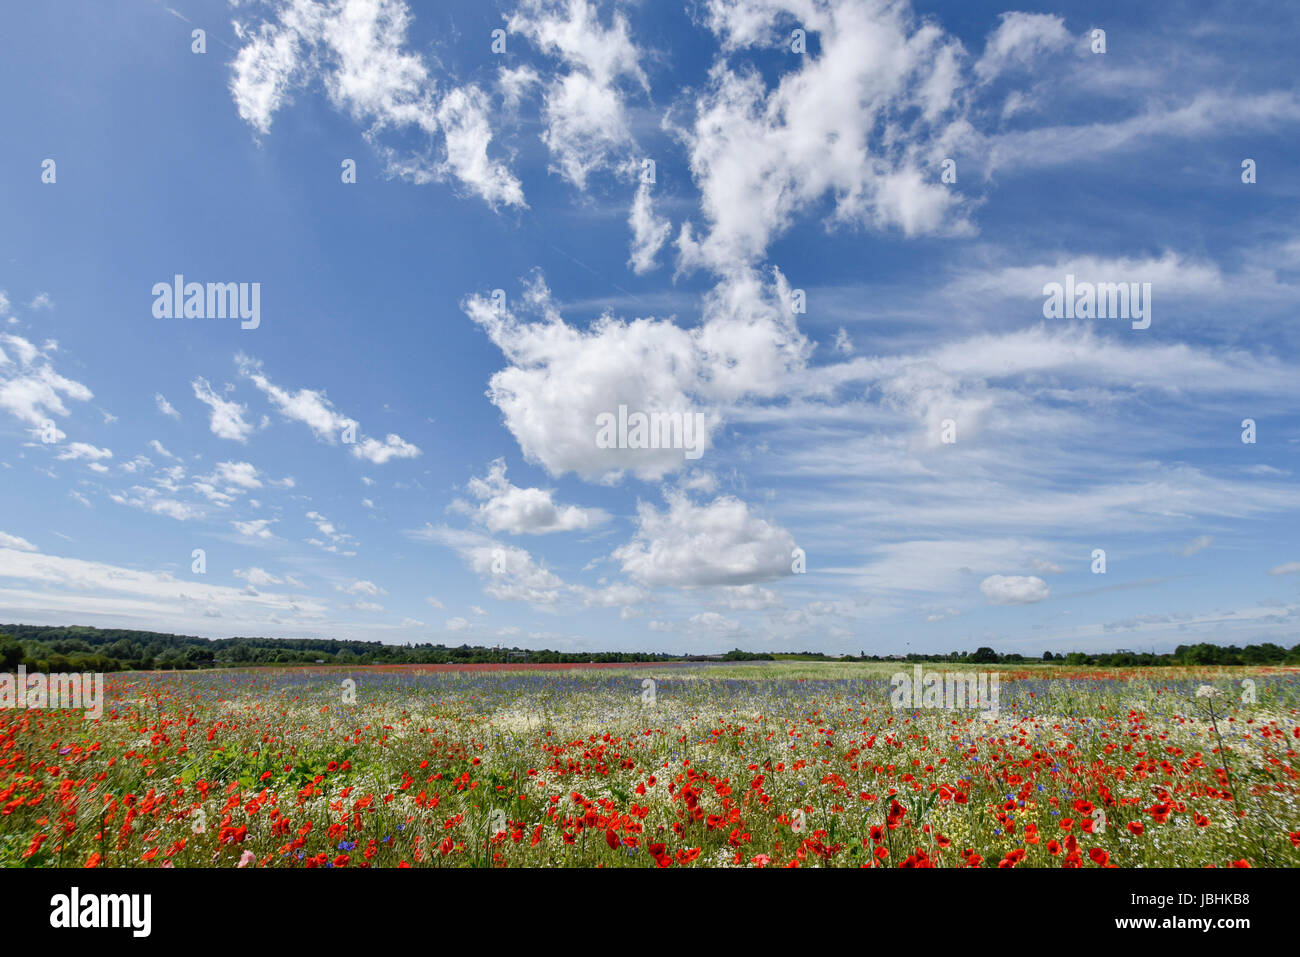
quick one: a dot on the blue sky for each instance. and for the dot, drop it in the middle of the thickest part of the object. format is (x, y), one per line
(394, 454)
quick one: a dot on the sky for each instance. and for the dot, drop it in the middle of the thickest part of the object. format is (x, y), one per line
(823, 233)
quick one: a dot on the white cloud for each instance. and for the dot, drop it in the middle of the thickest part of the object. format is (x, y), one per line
(26, 352)
(1289, 568)
(1014, 589)
(151, 500)
(377, 453)
(327, 528)
(227, 418)
(1204, 114)
(70, 586)
(583, 108)
(357, 50)
(1198, 544)
(561, 378)
(257, 528)
(158, 447)
(13, 541)
(748, 597)
(649, 232)
(1020, 39)
(508, 573)
(523, 511)
(257, 577)
(239, 474)
(762, 156)
(310, 407)
(690, 545)
(83, 450)
(710, 622)
(464, 114)
(30, 389)
(514, 83)
(165, 407)
(313, 409)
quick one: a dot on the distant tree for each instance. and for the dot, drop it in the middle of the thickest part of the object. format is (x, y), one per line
(984, 656)
(11, 653)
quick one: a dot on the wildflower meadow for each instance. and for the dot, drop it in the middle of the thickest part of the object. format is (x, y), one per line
(658, 766)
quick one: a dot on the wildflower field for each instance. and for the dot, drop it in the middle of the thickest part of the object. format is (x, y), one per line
(656, 766)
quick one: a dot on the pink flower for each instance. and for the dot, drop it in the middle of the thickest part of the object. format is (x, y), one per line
(248, 857)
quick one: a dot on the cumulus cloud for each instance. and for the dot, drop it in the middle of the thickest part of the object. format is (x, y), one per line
(504, 507)
(712, 623)
(763, 156)
(561, 378)
(690, 545)
(510, 573)
(583, 106)
(242, 475)
(356, 50)
(30, 389)
(392, 447)
(1014, 589)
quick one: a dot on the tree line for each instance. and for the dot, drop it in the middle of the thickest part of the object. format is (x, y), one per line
(81, 648)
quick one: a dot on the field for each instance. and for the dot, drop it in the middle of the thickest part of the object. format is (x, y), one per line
(747, 765)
